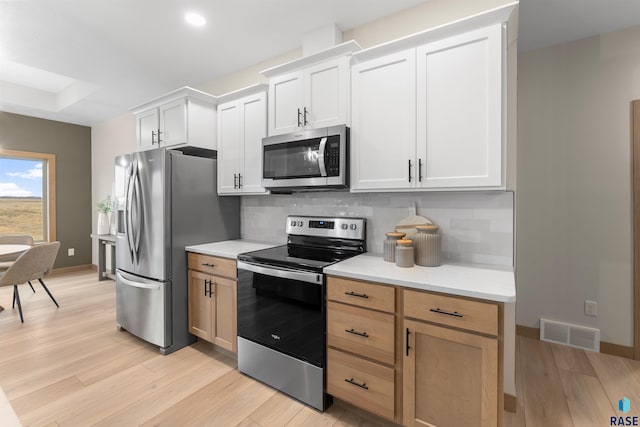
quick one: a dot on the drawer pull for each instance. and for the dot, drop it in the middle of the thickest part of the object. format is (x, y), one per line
(206, 264)
(354, 332)
(448, 313)
(363, 385)
(353, 294)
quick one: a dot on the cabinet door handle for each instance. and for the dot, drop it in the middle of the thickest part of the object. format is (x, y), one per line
(211, 288)
(407, 341)
(419, 170)
(351, 381)
(159, 140)
(153, 136)
(206, 264)
(206, 283)
(354, 332)
(448, 313)
(299, 121)
(409, 170)
(305, 116)
(235, 177)
(239, 180)
(353, 294)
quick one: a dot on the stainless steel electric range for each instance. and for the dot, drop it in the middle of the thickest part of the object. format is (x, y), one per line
(281, 304)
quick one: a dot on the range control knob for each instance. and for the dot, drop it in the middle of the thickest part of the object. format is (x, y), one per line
(353, 226)
(293, 223)
(345, 226)
(299, 223)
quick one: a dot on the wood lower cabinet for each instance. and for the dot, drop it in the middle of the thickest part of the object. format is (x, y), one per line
(213, 300)
(451, 377)
(416, 357)
(361, 355)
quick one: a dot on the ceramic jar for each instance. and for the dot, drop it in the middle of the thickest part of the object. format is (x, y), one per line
(427, 245)
(404, 253)
(389, 245)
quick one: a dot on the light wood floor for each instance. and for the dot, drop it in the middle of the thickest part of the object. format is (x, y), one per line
(71, 367)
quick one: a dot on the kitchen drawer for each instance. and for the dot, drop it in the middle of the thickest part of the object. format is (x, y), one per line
(213, 265)
(364, 332)
(365, 384)
(363, 294)
(452, 311)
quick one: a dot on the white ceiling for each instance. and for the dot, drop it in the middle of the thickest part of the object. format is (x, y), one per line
(95, 59)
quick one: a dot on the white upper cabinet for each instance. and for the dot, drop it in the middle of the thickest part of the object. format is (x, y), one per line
(429, 112)
(459, 110)
(311, 92)
(242, 123)
(182, 117)
(383, 132)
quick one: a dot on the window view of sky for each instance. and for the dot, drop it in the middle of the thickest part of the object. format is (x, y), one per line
(20, 178)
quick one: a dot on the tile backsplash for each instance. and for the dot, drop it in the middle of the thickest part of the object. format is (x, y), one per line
(476, 227)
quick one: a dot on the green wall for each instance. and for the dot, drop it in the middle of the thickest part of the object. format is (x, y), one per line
(72, 146)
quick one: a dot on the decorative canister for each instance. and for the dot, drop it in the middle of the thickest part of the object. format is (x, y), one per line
(389, 245)
(427, 245)
(404, 253)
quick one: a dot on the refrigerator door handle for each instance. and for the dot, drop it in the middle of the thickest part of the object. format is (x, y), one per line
(128, 213)
(138, 230)
(150, 286)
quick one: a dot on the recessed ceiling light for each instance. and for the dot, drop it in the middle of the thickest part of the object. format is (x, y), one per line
(194, 19)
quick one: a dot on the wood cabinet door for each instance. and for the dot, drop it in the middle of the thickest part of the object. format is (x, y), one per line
(253, 126)
(459, 110)
(229, 147)
(285, 103)
(326, 93)
(226, 329)
(383, 131)
(173, 123)
(450, 377)
(200, 306)
(147, 125)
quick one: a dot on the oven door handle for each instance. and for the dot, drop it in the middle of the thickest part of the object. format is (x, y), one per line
(284, 273)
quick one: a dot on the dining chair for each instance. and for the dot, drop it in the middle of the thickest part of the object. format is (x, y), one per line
(35, 263)
(13, 239)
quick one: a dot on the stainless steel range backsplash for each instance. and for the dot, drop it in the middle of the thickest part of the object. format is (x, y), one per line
(476, 227)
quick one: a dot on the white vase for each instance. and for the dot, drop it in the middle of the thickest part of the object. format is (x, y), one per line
(112, 223)
(103, 223)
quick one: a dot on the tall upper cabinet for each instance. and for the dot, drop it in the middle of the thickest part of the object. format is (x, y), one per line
(183, 117)
(242, 123)
(431, 111)
(310, 92)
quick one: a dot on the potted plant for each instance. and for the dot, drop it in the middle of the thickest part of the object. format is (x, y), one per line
(104, 211)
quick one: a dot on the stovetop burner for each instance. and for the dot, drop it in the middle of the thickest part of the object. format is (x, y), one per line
(313, 243)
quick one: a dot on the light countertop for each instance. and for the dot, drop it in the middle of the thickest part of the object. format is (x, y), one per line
(494, 284)
(229, 248)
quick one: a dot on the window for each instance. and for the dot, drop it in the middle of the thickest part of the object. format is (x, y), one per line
(27, 194)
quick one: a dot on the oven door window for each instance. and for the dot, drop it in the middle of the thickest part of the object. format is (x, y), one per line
(282, 314)
(299, 159)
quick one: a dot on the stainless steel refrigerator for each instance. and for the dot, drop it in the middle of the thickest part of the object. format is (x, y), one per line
(166, 200)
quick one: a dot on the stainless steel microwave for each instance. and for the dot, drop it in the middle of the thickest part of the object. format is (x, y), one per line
(308, 160)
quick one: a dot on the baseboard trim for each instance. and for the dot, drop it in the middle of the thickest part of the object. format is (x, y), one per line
(510, 402)
(71, 269)
(527, 331)
(616, 349)
(605, 347)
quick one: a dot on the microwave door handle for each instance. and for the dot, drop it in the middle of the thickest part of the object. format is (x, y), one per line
(321, 150)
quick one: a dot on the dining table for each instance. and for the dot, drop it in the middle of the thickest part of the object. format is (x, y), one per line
(11, 249)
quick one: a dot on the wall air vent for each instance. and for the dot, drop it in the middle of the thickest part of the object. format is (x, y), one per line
(571, 335)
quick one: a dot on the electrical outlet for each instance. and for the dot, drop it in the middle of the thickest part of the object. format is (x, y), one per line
(71, 252)
(591, 308)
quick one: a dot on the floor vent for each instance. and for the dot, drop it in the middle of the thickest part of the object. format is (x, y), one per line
(571, 335)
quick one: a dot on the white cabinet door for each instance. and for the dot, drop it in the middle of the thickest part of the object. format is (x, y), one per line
(383, 131)
(326, 93)
(253, 127)
(173, 123)
(147, 125)
(285, 103)
(459, 110)
(229, 147)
